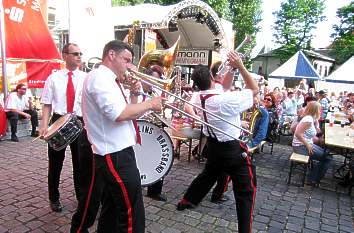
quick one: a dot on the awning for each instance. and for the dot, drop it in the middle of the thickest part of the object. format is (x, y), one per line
(297, 67)
(344, 74)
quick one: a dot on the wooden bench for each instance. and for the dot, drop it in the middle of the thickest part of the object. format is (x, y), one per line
(299, 160)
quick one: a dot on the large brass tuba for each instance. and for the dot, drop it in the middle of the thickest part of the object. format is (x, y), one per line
(164, 58)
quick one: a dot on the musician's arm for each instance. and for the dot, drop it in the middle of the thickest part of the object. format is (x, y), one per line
(46, 112)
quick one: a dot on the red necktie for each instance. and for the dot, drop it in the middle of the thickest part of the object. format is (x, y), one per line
(70, 93)
(137, 134)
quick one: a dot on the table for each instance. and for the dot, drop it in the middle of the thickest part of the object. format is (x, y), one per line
(338, 117)
(338, 137)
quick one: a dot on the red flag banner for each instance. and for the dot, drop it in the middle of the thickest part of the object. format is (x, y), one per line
(28, 39)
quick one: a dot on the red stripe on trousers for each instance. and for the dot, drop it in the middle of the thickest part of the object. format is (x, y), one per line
(254, 190)
(226, 184)
(124, 190)
(88, 195)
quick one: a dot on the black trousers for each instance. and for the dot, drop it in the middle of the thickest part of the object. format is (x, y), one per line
(155, 189)
(226, 157)
(14, 117)
(91, 190)
(56, 160)
(115, 181)
(221, 186)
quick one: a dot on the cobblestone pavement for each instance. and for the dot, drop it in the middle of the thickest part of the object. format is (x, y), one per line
(279, 207)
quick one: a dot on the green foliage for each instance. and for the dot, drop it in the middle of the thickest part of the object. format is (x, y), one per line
(126, 2)
(245, 17)
(162, 2)
(343, 45)
(294, 25)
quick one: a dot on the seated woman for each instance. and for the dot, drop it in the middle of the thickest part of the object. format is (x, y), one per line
(303, 143)
(270, 104)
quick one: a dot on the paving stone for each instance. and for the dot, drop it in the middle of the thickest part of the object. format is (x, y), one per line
(279, 207)
(294, 227)
(328, 228)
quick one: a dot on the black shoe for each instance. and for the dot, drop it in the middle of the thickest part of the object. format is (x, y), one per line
(184, 204)
(313, 184)
(56, 206)
(344, 184)
(220, 200)
(158, 197)
(14, 138)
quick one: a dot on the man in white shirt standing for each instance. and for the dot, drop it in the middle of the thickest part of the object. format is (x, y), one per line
(17, 107)
(61, 95)
(224, 153)
(112, 130)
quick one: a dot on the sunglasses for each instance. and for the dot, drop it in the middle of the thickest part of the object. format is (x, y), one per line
(76, 54)
(267, 99)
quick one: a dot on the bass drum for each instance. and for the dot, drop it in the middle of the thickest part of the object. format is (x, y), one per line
(3, 122)
(154, 157)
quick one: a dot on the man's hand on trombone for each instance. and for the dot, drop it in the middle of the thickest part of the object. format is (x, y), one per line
(156, 104)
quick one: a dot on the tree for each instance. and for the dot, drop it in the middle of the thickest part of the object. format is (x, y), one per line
(343, 45)
(245, 17)
(126, 2)
(294, 25)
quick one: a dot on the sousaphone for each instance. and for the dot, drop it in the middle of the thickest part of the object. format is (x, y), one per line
(164, 58)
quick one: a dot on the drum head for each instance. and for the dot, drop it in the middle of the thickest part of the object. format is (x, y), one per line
(154, 157)
(56, 125)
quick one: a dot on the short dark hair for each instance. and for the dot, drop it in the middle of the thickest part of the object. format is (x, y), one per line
(19, 86)
(308, 99)
(66, 47)
(215, 68)
(201, 77)
(117, 46)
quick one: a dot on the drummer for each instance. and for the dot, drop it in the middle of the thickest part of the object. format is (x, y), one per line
(62, 95)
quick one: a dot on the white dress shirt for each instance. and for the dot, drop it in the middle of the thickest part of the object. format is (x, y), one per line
(13, 101)
(102, 103)
(54, 91)
(227, 105)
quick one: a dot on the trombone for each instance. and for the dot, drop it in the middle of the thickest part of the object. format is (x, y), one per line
(147, 80)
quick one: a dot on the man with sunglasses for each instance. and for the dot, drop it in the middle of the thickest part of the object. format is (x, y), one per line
(17, 107)
(61, 95)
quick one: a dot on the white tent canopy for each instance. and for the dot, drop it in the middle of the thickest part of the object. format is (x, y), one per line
(195, 33)
(341, 79)
(93, 23)
(344, 74)
(297, 67)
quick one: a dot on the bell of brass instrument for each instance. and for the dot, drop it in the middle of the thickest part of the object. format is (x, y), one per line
(225, 65)
(164, 58)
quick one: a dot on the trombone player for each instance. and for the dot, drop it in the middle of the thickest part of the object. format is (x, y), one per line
(224, 153)
(112, 131)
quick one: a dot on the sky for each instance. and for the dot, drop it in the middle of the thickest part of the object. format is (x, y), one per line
(321, 34)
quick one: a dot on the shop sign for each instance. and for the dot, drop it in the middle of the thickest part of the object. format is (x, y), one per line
(192, 57)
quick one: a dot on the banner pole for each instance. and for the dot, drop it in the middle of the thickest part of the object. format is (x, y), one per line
(3, 52)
